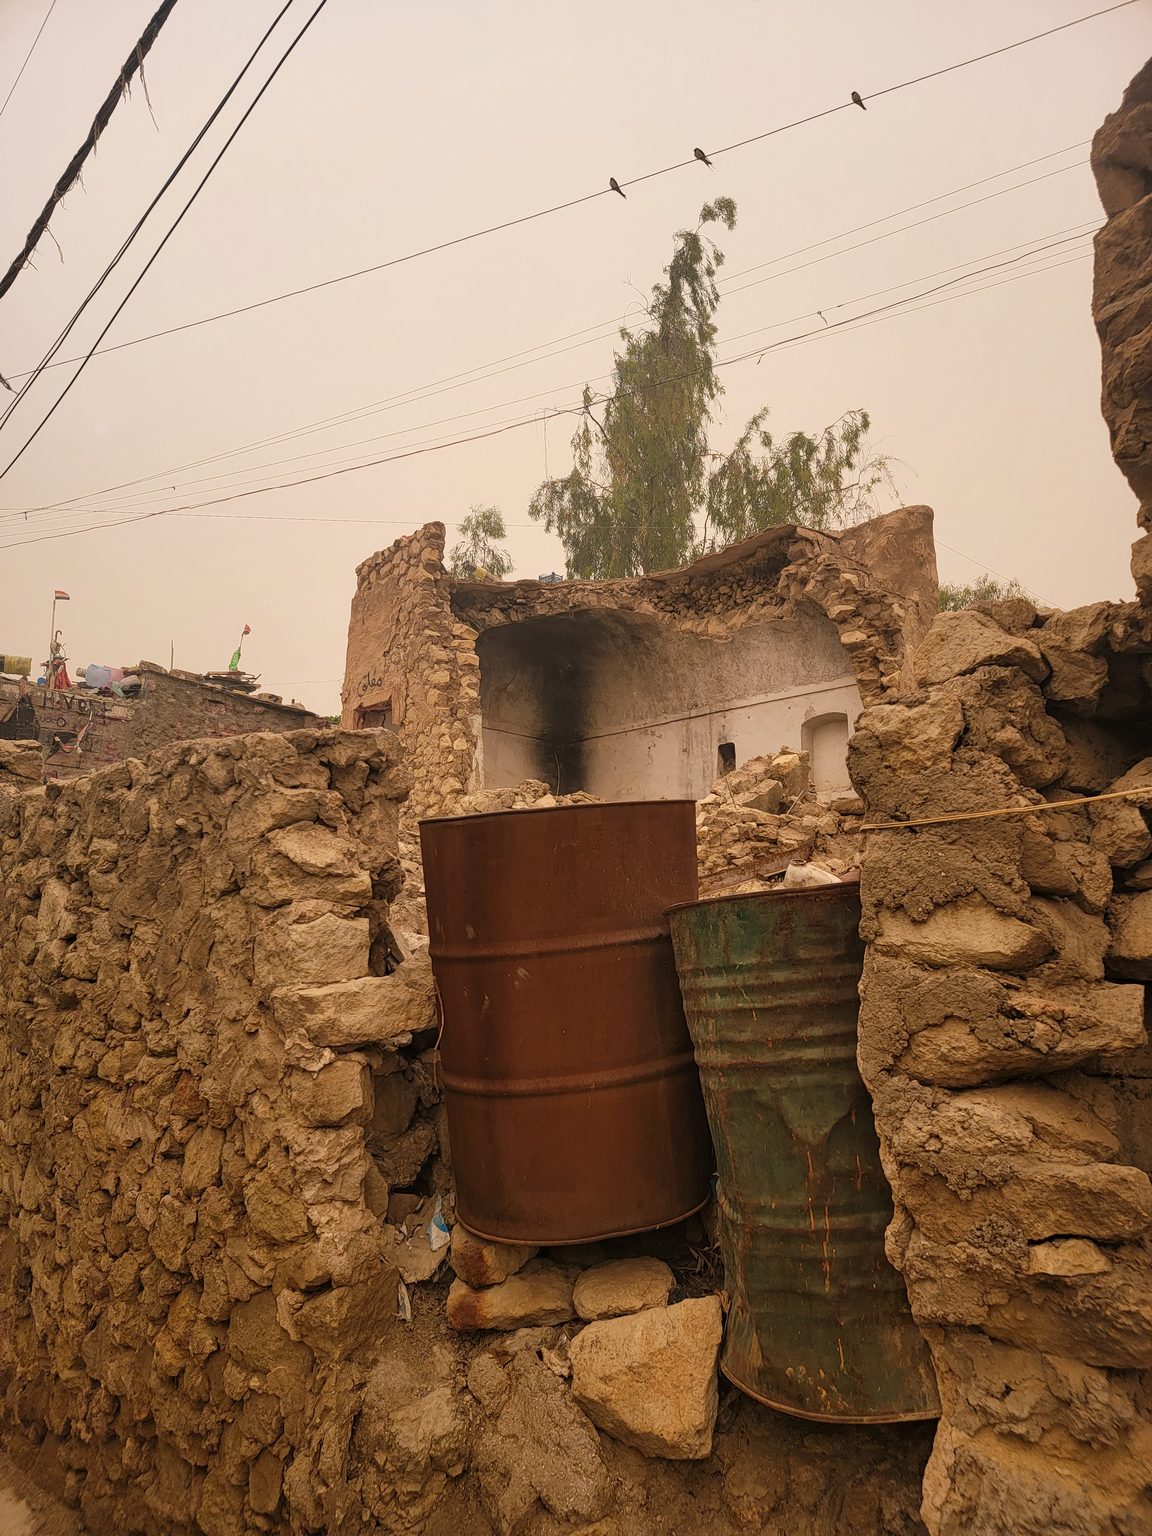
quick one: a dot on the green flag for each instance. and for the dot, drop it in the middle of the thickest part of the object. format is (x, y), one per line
(234, 664)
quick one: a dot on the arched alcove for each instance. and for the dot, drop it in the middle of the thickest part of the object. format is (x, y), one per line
(626, 706)
(825, 739)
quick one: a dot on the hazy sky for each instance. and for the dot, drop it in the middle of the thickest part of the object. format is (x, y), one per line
(395, 127)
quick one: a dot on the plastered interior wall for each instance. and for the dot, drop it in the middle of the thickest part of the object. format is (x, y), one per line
(626, 706)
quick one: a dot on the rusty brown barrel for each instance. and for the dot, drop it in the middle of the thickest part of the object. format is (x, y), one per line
(573, 1101)
(819, 1323)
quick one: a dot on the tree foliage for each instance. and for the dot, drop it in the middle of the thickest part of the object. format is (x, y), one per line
(645, 491)
(477, 556)
(954, 596)
(822, 482)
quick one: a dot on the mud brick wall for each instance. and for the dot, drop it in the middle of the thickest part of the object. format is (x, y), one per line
(1002, 1037)
(194, 1276)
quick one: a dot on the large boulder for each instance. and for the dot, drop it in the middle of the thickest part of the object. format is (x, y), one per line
(650, 1379)
(960, 642)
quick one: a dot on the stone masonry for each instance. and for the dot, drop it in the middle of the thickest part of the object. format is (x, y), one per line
(225, 1182)
(1002, 1037)
(1004, 1000)
(192, 1023)
(222, 1162)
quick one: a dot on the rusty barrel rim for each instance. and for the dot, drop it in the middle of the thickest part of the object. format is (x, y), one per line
(921, 1416)
(774, 893)
(598, 1237)
(545, 810)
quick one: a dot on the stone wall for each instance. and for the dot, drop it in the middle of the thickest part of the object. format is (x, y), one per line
(179, 706)
(194, 1272)
(1122, 297)
(1002, 1037)
(412, 661)
(413, 632)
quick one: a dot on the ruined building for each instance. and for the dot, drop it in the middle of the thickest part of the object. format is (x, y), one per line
(642, 688)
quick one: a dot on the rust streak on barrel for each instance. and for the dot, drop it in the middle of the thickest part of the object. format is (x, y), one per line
(573, 1101)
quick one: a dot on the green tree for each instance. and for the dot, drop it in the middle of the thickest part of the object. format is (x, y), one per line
(478, 556)
(643, 477)
(954, 596)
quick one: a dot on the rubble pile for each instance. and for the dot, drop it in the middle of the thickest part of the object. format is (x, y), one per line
(763, 816)
(568, 1342)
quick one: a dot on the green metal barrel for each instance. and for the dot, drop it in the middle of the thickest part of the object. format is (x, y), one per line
(819, 1323)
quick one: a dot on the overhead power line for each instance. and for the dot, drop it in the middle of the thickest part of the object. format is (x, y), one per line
(1055, 240)
(485, 371)
(540, 213)
(193, 510)
(172, 228)
(46, 360)
(133, 64)
(174, 330)
(27, 56)
(134, 503)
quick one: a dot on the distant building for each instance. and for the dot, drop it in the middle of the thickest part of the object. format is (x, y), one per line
(80, 729)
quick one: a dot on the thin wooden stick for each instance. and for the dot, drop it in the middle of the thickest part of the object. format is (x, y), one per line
(1008, 810)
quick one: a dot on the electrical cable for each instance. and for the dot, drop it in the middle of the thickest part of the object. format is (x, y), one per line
(1054, 240)
(633, 181)
(171, 231)
(850, 321)
(136, 341)
(27, 56)
(394, 402)
(46, 361)
(133, 64)
(194, 509)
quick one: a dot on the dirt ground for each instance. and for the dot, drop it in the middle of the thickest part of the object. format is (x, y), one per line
(26, 1511)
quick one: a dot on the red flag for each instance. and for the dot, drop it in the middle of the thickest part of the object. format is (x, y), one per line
(247, 628)
(62, 597)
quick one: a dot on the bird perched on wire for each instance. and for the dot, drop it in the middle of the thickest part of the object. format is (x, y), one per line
(616, 187)
(702, 157)
(859, 100)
